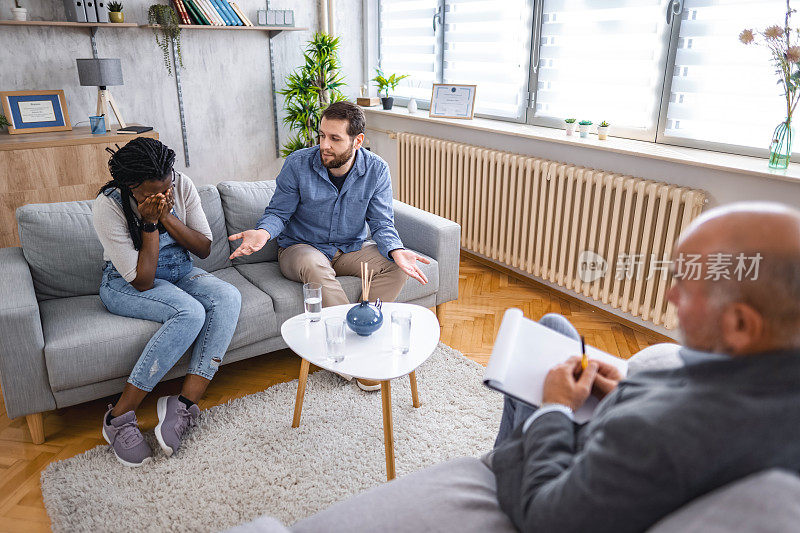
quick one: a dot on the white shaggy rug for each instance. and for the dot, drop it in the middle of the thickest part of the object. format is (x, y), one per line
(244, 459)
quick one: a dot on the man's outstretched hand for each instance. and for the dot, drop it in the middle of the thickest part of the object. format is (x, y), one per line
(252, 241)
(407, 261)
(562, 387)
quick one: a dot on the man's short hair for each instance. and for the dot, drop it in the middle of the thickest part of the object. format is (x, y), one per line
(344, 110)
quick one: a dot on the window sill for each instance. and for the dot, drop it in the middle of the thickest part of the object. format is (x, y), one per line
(752, 166)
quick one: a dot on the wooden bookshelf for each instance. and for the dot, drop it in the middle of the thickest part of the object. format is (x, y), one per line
(256, 28)
(69, 24)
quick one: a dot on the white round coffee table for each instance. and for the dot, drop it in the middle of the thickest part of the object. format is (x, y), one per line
(365, 357)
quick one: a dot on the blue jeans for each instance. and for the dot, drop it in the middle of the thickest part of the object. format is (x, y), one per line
(516, 412)
(195, 307)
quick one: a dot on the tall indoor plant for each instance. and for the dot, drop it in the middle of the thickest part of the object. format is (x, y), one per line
(310, 89)
(783, 45)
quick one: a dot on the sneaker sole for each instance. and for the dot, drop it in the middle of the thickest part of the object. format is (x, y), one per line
(120, 459)
(161, 409)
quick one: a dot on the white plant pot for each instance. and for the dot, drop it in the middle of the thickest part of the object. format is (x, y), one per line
(584, 129)
(411, 106)
(19, 13)
(602, 132)
(571, 127)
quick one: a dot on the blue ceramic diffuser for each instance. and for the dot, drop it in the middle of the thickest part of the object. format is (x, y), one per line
(365, 318)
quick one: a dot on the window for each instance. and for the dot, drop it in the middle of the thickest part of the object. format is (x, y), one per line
(723, 91)
(460, 41)
(678, 79)
(602, 61)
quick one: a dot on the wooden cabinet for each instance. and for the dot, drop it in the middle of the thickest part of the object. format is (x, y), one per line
(52, 167)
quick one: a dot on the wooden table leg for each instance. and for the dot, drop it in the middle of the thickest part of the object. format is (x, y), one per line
(414, 394)
(388, 432)
(301, 392)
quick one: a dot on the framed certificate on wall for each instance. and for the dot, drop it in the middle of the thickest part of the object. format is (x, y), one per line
(35, 111)
(452, 101)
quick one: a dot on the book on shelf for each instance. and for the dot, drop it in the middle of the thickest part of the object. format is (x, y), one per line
(195, 14)
(241, 14)
(221, 12)
(201, 5)
(183, 16)
(212, 13)
(222, 8)
(232, 13)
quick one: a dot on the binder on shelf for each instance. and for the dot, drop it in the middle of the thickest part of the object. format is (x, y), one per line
(241, 14)
(74, 10)
(271, 18)
(101, 10)
(91, 13)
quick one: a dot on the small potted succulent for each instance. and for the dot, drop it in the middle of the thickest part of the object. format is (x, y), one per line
(19, 12)
(583, 126)
(115, 13)
(385, 84)
(570, 122)
(602, 131)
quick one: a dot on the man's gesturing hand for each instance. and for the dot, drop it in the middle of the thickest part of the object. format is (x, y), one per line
(407, 261)
(252, 241)
(562, 387)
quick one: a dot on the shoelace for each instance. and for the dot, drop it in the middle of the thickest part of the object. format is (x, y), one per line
(129, 434)
(185, 421)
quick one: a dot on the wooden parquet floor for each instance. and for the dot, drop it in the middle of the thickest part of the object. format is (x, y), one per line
(469, 325)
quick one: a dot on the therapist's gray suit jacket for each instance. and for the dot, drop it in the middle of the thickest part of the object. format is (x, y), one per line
(660, 440)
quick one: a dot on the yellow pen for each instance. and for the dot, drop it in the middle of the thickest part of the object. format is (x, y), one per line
(584, 359)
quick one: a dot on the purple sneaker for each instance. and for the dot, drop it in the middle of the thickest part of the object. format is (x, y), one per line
(126, 439)
(174, 420)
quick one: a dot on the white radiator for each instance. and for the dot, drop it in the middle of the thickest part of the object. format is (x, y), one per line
(549, 219)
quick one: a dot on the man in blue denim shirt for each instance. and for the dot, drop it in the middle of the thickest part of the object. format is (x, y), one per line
(325, 198)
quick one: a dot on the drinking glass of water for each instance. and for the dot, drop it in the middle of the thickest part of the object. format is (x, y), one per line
(334, 338)
(401, 332)
(312, 300)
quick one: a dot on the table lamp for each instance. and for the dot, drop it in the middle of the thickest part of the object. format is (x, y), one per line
(101, 72)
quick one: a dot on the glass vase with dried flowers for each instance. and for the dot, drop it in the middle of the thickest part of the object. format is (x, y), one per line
(782, 42)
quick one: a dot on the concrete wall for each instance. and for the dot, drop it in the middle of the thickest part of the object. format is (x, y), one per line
(226, 80)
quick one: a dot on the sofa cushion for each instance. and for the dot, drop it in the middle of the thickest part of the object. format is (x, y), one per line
(760, 503)
(61, 247)
(243, 204)
(85, 344)
(459, 495)
(220, 251)
(287, 295)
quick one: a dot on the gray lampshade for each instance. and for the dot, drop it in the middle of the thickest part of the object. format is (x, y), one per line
(99, 72)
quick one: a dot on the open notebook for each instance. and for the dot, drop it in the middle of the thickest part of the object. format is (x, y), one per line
(525, 351)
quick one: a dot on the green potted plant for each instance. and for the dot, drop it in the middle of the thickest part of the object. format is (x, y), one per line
(570, 122)
(385, 85)
(4, 121)
(19, 12)
(583, 126)
(163, 18)
(602, 131)
(115, 13)
(310, 89)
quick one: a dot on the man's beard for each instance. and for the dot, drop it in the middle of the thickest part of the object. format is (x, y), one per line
(339, 159)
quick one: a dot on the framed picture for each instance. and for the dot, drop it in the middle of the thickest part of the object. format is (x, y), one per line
(35, 111)
(452, 101)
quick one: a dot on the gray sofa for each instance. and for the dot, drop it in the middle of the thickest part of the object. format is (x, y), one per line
(461, 495)
(59, 346)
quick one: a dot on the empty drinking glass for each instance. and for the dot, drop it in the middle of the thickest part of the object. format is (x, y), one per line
(401, 331)
(312, 300)
(334, 338)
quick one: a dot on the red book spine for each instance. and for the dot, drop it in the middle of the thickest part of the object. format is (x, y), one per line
(182, 13)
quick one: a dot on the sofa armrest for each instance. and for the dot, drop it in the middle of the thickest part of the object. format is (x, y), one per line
(436, 237)
(23, 374)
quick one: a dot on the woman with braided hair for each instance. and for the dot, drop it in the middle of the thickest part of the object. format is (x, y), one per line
(149, 219)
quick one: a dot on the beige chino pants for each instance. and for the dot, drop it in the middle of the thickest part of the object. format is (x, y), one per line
(306, 264)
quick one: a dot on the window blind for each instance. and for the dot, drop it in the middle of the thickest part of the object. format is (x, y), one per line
(603, 61)
(488, 44)
(408, 45)
(722, 90)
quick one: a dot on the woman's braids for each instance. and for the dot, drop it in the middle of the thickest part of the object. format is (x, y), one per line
(140, 160)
